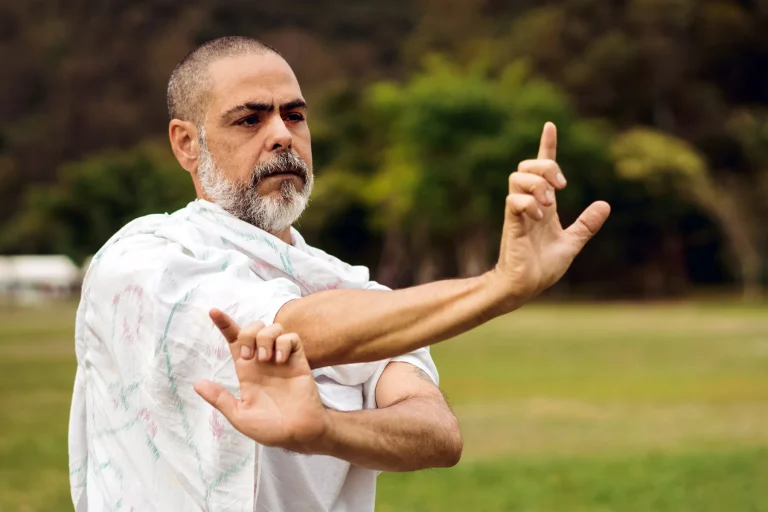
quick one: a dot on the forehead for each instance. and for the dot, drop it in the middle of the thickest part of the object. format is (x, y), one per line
(251, 77)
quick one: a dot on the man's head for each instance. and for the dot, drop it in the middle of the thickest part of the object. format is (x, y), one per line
(239, 126)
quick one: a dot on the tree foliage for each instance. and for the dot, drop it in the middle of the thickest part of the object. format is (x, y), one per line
(93, 198)
(419, 112)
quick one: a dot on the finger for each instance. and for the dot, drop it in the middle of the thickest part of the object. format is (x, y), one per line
(519, 204)
(226, 325)
(548, 169)
(245, 348)
(531, 184)
(218, 397)
(265, 341)
(588, 224)
(548, 144)
(297, 360)
(285, 345)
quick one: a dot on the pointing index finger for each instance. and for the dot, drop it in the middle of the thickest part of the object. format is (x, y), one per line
(226, 325)
(548, 144)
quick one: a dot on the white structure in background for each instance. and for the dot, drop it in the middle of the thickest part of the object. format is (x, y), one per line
(6, 275)
(31, 278)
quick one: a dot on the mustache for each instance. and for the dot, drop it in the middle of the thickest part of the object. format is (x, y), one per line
(284, 162)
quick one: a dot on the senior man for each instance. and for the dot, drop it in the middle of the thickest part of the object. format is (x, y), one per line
(142, 439)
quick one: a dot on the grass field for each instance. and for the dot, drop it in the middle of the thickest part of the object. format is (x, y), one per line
(563, 408)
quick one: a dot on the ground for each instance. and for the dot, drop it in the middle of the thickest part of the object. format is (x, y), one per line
(563, 408)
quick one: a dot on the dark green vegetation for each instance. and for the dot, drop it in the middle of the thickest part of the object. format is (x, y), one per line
(419, 110)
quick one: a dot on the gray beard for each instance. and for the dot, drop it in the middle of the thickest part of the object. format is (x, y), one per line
(273, 214)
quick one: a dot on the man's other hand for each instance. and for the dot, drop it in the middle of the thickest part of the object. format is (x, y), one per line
(535, 249)
(279, 403)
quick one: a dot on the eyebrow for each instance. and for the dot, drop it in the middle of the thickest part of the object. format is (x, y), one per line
(256, 106)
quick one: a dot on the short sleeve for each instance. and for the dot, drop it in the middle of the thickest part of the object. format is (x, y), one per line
(222, 281)
(419, 358)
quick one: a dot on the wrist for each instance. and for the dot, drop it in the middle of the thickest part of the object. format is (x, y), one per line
(323, 443)
(499, 297)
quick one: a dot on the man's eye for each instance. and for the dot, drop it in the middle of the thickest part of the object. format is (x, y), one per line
(249, 121)
(295, 117)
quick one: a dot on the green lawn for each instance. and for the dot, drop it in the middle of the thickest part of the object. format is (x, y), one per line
(563, 408)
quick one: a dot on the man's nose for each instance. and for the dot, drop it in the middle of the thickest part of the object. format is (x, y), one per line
(279, 138)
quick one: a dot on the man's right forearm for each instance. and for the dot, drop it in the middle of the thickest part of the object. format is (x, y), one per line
(352, 326)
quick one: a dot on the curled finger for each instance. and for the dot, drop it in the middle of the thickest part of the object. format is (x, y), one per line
(265, 341)
(245, 348)
(519, 204)
(547, 169)
(531, 184)
(285, 345)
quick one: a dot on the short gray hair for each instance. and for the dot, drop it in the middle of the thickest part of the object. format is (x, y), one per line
(190, 82)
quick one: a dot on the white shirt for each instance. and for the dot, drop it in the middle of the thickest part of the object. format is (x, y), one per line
(140, 438)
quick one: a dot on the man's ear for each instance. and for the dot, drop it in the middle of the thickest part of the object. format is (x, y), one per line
(184, 144)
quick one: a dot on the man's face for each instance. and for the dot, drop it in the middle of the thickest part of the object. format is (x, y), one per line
(256, 157)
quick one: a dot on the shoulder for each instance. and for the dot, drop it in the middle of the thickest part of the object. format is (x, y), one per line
(134, 246)
(143, 248)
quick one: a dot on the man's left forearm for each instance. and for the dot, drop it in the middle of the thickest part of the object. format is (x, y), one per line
(415, 433)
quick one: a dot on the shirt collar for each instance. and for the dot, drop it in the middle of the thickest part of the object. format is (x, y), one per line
(297, 240)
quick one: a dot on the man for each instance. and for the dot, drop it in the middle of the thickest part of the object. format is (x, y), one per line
(142, 439)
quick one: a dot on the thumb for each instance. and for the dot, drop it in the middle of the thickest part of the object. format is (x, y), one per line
(218, 397)
(588, 224)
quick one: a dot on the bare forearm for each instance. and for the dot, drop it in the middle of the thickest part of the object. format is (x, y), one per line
(417, 433)
(352, 326)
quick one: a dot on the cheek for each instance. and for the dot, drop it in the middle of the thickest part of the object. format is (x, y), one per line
(302, 144)
(238, 161)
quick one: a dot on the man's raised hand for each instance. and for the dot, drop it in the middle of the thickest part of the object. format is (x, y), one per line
(535, 249)
(279, 403)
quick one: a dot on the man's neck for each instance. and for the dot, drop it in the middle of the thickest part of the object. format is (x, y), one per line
(285, 235)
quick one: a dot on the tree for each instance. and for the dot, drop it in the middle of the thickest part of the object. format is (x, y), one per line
(93, 198)
(684, 67)
(446, 142)
(660, 160)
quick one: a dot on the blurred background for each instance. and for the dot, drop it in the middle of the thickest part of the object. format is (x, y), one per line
(638, 383)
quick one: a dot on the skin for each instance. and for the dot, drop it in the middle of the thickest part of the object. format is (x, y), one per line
(411, 429)
(279, 405)
(254, 110)
(240, 137)
(535, 253)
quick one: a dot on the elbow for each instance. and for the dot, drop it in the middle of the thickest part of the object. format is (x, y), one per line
(453, 449)
(452, 445)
